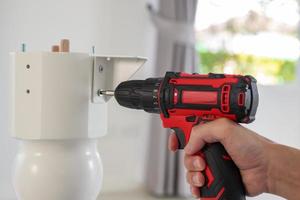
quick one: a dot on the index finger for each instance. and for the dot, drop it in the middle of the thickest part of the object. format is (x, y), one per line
(210, 132)
(173, 142)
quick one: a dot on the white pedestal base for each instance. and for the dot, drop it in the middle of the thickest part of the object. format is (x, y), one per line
(55, 101)
(58, 170)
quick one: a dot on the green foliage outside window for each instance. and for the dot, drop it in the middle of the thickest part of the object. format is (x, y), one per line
(276, 70)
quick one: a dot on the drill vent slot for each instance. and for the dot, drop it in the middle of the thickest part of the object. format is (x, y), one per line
(225, 96)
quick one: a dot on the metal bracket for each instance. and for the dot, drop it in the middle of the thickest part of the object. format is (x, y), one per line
(109, 71)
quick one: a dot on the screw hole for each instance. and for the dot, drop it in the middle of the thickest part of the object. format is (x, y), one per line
(28, 91)
(28, 66)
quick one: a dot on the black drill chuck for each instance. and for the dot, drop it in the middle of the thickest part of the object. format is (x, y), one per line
(139, 94)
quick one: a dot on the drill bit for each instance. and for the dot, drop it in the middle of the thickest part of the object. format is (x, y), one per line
(106, 93)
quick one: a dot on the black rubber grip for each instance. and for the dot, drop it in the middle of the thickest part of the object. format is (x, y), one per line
(223, 179)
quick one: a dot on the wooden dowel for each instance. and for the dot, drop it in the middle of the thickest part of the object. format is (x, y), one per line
(64, 45)
(55, 48)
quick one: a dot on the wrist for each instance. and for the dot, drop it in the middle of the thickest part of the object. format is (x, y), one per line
(271, 151)
(282, 172)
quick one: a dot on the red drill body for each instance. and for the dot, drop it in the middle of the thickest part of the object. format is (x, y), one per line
(185, 100)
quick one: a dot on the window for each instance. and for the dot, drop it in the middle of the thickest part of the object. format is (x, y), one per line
(257, 37)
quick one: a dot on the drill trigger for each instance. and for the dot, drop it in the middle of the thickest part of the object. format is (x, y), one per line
(180, 137)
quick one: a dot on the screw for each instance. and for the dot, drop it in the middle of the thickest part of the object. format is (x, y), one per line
(105, 92)
(101, 68)
(28, 66)
(23, 47)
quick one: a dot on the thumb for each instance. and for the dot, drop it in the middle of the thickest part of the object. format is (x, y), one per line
(216, 131)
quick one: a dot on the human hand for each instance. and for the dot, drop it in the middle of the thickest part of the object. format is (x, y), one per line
(247, 149)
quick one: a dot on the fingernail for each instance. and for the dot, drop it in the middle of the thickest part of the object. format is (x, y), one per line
(192, 192)
(197, 164)
(196, 180)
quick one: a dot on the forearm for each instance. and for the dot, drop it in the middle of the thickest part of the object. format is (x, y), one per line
(284, 171)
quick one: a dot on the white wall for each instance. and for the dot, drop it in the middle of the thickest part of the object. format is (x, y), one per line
(278, 114)
(278, 118)
(122, 150)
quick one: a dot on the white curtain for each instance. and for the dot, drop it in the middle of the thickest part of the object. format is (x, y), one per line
(174, 20)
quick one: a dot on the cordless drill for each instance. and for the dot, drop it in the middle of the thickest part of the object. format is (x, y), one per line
(185, 100)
